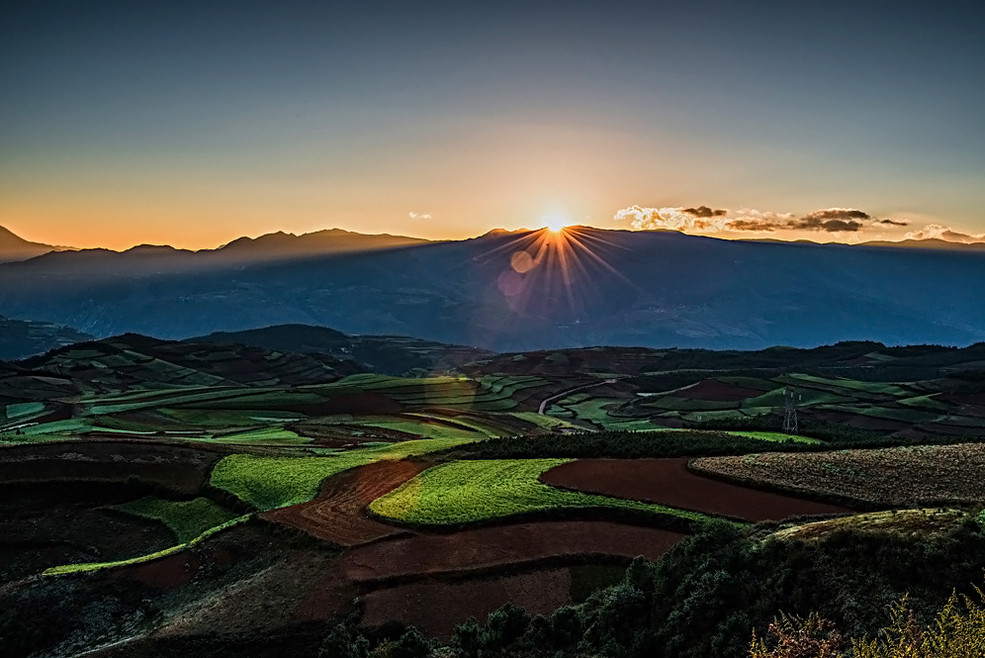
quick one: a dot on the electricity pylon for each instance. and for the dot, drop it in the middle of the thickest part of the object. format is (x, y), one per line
(790, 400)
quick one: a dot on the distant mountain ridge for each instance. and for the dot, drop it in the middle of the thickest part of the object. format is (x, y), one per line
(15, 248)
(517, 291)
(272, 247)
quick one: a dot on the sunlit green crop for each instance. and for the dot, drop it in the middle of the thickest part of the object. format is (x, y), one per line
(470, 491)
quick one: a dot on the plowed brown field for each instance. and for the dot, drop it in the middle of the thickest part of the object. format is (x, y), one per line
(504, 545)
(669, 482)
(437, 607)
(338, 515)
(905, 477)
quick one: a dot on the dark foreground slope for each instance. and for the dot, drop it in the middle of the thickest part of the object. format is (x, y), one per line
(584, 287)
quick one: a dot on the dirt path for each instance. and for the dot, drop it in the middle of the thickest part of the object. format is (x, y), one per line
(338, 514)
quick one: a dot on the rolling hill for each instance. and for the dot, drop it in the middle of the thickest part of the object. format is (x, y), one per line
(389, 355)
(23, 338)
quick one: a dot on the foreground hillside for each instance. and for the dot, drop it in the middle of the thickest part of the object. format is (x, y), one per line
(217, 498)
(525, 290)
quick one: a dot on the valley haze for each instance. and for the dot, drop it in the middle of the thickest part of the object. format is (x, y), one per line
(518, 290)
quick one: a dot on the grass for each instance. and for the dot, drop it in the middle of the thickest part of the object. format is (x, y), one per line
(853, 385)
(906, 522)
(49, 431)
(261, 436)
(777, 437)
(472, 491)
(186, 519)
(96, 566)
(546, 422)
(23, 409)
(423, 428)
(271, 482)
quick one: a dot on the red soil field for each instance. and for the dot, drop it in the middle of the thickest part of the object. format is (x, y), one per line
(338, 515)
(437, 607)
(167, 573)
(504, 545)
(328, 596)
(669, 482)
(712, 389)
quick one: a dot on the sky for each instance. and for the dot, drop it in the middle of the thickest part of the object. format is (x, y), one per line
(193, 123)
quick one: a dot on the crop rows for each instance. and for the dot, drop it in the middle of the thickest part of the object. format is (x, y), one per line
(906, 476)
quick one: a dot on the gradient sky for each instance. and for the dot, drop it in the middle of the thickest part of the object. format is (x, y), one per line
(192, 123)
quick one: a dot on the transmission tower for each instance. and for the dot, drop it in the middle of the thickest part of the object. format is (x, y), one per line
(790, 400)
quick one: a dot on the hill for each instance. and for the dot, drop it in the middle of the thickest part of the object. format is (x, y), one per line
(389, 355)
(134, 362)
(23, 338)
(15, 248)
(533, 290)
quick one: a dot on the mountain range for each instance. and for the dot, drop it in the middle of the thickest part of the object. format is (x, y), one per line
(15, 248)
(519, 290)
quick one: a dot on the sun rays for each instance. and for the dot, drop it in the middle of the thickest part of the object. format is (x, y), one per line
(553, 271)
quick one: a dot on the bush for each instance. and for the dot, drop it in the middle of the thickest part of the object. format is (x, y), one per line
(412, 644)
(465, 638)
(504, 627)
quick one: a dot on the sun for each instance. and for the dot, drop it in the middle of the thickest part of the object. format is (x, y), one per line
(555, 222)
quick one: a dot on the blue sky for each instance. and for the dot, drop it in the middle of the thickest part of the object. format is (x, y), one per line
(192, 123)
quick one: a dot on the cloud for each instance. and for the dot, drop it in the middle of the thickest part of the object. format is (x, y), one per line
(832, 220)
(705, 211)
(704, 219)
(939, 232)
(419, 215)
(675, 219)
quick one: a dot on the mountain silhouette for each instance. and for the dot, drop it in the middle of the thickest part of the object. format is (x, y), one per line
(527, 290)
(15, 248)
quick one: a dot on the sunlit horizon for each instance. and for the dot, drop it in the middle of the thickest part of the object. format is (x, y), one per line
(455, 123)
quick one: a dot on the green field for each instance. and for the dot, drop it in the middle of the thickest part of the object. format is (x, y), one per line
(775, 436)
(186, 519)
(473, 491)
(271, 482)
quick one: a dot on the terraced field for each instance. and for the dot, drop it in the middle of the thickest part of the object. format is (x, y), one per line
(309, 492)
(271, 482)
(504, 545)
(337, 515)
